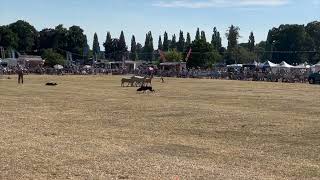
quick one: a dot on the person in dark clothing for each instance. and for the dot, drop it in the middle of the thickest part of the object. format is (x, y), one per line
(20, 74)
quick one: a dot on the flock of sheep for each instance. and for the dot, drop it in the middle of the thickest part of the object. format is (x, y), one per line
(136, 81)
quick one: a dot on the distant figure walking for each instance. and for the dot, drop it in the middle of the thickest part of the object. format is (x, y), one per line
(20, 74)
(162, 80)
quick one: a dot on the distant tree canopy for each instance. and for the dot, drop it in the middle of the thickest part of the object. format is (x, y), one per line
(204, 55)
(216, 40)
(292, 43)
(298, 41)
(96, 45)
(148, 47)
(52, 58)
(173, 56)
(134, 51)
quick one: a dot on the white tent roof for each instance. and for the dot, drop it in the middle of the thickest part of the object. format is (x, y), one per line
(87, 67)
(270, 64)
(235, 65)
(58, 66)
(254, 63)
(302, 66)
(283, 64)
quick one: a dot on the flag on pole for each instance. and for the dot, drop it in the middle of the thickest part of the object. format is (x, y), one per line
(188, 55)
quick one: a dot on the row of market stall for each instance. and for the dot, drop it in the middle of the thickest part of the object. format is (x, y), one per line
(276, 67)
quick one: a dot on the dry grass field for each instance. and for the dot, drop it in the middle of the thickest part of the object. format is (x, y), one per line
(88, 127)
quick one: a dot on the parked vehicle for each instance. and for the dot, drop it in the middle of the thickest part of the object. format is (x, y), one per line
(314, 78)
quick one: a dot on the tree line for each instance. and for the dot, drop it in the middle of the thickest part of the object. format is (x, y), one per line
(291, 43)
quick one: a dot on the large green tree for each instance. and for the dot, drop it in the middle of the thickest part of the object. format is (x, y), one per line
(52, 58)
(165, 42)
(148, 47)
(122, 47)
(27, 36)
(108, 46)
(313, 33)
(8, 39)
(203, 55)
(216, 41)
(133, 53)
(76, 41)
(61, 39)
(181, 42)
(251, 42)
(197, 35)
(232, 50)
(173, 44)
(289, 43)
(188, 40)
(160, 45)
(203, 36)
(96, 46)
(47, 38)
(173, 56)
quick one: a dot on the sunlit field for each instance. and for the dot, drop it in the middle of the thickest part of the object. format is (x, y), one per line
(88, 127)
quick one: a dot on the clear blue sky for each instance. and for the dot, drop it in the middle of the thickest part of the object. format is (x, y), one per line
(139, 16)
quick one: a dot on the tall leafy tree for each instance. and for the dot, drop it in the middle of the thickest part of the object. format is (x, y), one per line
(197, 34)
(148, 47)
(27, 36)
(133, 53)
(122, 43)
(140, 50)
(8, 39)
(52, 58)
(181, 42)
(313, 33)
(251, 42)
(173, 56)
(77, 41)
(122, 47)
(188, 40)
(47, 38)
(160, 45)
(165, 42)
(216, 39)
(232, 50)
(205, 55)
(293, 39)
(95, 46)
(60, 40)
(173, 44)
(203, 36)
(108, 46)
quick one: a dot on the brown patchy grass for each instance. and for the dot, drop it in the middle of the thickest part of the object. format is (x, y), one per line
(88, 127)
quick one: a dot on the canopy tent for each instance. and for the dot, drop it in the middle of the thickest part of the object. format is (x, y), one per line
(270, 64)
(252, 65)
(86, 67)
(302, 66)
(284, 64)
(235, 66)
(178, 66)
(317, 67)
(58, 67)
(219, 65)
(10, 62)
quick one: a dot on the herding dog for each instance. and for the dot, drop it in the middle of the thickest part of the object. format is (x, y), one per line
(145, 89)
(51, 84)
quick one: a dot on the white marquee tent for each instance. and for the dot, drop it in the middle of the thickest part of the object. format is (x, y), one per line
(284, 64)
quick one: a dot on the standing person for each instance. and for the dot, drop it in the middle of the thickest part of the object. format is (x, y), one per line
(20, 74)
